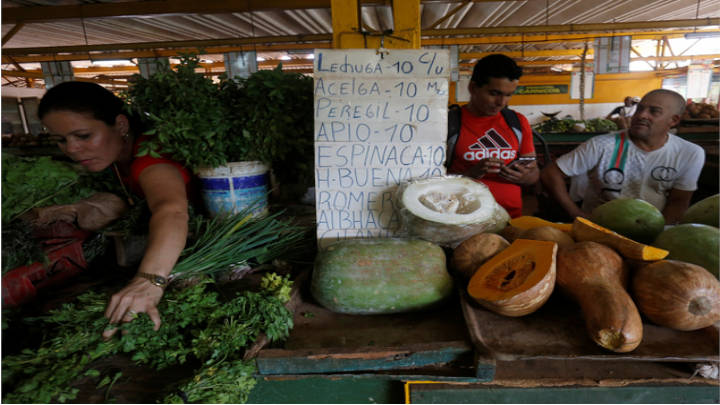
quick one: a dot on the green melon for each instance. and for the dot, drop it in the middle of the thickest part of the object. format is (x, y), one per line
(380, 276)
(630, 217)
(705, 211)
(692, 243)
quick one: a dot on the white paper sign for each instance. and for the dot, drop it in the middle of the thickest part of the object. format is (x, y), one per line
(380, 119)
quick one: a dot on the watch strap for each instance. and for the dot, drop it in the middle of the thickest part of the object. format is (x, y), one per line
(155, 279)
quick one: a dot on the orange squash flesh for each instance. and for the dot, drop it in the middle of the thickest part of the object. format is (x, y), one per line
(528, 222)
(585, 230)
(518, 280)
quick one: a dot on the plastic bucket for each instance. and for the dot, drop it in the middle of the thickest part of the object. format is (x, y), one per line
(235, 187)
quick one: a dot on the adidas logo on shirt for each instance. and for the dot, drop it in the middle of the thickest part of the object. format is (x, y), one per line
(490, 145)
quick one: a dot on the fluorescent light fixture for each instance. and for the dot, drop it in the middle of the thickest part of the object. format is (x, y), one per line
(260, 59)
(284, 57)
(111, 62)
(696, 35)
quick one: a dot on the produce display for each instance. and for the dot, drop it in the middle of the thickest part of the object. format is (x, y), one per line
(266, 117)
(518, 280)
(677, 295)
(585, 230)
(448, 209)
(692, 243)
(380, 276)
(200, 326)
(32, 182)
(29, 182)
(596, 277)
(474, 251)
(630, 217)
(569, 125)
(700, 110)
(705, 211)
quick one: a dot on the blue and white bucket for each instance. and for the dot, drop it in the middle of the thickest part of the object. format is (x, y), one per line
(235, 187)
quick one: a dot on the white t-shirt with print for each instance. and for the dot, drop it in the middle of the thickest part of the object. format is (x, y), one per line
(645, 175)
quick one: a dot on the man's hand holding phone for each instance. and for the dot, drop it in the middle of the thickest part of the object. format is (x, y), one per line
(519, 170)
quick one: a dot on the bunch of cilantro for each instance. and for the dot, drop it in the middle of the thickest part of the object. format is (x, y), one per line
(198, 324)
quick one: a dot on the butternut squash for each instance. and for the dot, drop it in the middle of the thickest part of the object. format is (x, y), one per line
(677, 295)
(584, 230)
(475, 251)
(510, 233)
(518, 280)
(529, 222)
(549, 233)
(595, 276)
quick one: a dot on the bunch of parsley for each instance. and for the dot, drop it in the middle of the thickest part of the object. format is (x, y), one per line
(197, 324)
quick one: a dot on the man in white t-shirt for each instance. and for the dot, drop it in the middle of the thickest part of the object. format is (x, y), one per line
(622, 115)
(644, 161)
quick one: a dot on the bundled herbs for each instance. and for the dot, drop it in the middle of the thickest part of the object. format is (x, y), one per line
(19, 248)
(198, 324)
(267, 116)
(273, 116)
(185, 112)
(31, 182)
(41, 181)
(238, 239)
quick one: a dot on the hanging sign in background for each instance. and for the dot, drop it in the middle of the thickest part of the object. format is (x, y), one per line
(380, 119)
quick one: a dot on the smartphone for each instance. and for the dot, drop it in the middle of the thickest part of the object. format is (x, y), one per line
(521, 161)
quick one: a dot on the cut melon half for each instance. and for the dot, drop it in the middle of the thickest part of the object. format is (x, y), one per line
(449, 209)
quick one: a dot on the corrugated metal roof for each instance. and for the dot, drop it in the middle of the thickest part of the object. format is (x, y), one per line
(376, 17)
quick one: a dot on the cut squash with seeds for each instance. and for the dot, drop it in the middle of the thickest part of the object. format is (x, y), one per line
(585, 230)
(528, 222)
(518, 280)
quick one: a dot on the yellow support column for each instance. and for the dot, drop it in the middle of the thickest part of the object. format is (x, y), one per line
(406, 14)
(347, 32)
(346, 24)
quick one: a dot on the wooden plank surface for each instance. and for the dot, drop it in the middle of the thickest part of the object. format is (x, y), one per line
(323, 341)
(557, 331)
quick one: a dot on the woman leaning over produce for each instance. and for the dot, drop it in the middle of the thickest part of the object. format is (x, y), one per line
(95, 132)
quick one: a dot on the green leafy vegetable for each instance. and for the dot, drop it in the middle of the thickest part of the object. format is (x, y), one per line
(197, 323)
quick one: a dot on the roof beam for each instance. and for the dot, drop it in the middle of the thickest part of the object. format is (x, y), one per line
(549, 38)
(632, 25)
(279, 43)
(13, 15)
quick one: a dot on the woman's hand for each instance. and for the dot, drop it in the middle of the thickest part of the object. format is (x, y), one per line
(521, 173)
(138, 296)
(483, 167)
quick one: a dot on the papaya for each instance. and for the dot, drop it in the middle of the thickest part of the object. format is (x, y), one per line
(630, 217)
(692, 243)
(705, 211)
(380, 276)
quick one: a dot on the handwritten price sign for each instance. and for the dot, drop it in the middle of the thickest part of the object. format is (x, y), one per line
(380, 119)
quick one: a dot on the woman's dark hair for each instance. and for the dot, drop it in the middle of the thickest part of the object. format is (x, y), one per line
(82, 97)
(495, 65)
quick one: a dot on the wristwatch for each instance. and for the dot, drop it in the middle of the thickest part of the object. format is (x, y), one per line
(159, 281)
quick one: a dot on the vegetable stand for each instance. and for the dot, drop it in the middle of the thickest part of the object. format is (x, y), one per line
(462, 353)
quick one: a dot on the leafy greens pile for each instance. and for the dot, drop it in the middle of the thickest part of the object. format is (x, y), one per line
(198, 324)
(569, 125)
(29, 182)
